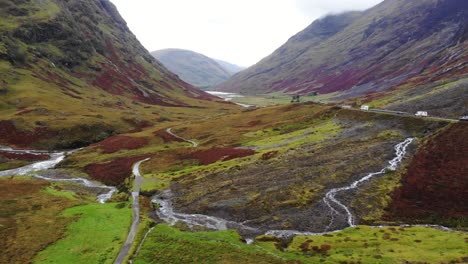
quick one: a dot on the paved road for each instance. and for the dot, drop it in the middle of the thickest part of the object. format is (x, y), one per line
(136, 213)
(402, 113)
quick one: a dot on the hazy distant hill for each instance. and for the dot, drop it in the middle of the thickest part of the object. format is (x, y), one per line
(194, 68)
(396, 44)
(231, 68)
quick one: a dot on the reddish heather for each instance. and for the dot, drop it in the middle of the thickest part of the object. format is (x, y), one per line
(114, 172)
(116, 143)
(24, 156)
(436, 182)
(166, 137)
(10, 135)
(215, 154)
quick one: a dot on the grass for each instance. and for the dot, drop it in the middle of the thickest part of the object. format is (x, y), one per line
(362, 244)
(380, 245)
(165, 244)
(29, 218)
(312, 134)
(95, 237)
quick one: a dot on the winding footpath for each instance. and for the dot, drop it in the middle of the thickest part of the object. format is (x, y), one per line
(55, 158)
(194, 144)
(136, 213)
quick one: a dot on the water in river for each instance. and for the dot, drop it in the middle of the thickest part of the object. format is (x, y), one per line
(54, 159)
(166, 210)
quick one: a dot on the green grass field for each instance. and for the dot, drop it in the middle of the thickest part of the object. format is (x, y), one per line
(169, 245)
(95, 237)
(362, 244)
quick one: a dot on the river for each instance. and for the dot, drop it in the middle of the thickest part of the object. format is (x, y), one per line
(228, 97)
(54, 159)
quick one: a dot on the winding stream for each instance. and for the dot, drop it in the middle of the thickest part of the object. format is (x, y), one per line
(55, 158)
(166, 210)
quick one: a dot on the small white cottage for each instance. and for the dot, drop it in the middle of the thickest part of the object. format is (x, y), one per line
(365, 107)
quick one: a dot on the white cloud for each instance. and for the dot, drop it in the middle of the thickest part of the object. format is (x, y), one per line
(241, 31)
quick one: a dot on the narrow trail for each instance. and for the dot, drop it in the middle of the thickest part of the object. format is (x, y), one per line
(55, 158)
(136, 214)
(194, 144)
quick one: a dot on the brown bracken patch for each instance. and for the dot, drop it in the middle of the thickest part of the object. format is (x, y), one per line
(116, 143)
(23, 156)
(436, 181)
(113, 172)
(215, 154)
(12, 136)
(166, 137)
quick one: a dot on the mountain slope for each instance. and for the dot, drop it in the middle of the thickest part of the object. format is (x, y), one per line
(231, 68)
(194, 68)
(73, 73)
(395, 43)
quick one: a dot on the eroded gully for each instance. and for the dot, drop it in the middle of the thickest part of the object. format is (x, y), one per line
(166, 210)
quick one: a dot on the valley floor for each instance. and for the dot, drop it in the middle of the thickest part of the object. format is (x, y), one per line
(267, 168)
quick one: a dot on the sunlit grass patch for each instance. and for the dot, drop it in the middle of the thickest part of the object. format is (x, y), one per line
(379, 245)
(95, 237)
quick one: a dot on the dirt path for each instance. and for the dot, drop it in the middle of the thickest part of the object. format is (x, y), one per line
(136, 214)
(194, 144)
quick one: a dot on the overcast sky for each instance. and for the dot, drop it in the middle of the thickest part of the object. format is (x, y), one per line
(238, 31)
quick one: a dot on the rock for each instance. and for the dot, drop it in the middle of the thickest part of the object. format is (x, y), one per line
(41, 123)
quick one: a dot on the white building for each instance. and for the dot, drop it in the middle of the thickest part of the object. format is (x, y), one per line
(421, 113)
(365, 107)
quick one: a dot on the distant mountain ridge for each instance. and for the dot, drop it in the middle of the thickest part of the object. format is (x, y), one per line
(231, 68)
(195, 68)
(394, 44)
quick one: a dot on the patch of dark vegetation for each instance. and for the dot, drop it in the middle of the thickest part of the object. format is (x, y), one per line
(24, 156)
(434, 186)
(46, 138)
(113, 172)
(116, 143)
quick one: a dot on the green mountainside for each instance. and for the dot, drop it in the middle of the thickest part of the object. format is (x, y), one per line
(71, 71)
(194, 68)
(398, 50)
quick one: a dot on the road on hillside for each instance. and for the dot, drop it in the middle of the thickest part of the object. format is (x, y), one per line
(136, 213)
(402, 113)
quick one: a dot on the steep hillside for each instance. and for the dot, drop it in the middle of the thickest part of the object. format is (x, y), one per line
(194, 68)
(434, 186)
(231, 68)
(395, 45)
(72, 73)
